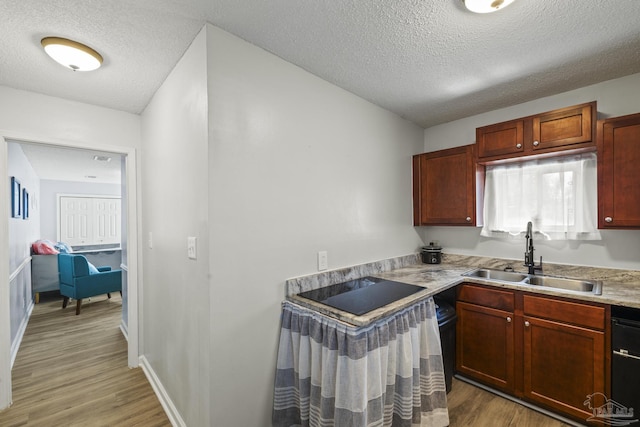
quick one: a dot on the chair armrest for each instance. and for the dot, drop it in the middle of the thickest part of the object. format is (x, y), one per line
(104, 268)
(96, 284)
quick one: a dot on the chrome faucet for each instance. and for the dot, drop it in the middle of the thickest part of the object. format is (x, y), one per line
(528, 254)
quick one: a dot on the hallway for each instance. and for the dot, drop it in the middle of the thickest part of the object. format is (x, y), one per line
(72, 370)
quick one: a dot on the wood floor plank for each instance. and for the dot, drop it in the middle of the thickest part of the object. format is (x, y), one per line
(72, 371)
(472, 406)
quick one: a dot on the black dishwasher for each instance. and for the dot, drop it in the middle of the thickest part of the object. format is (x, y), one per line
(625, 360)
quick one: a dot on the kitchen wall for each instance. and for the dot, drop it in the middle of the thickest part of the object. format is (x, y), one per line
(296, 166)
(617, 249)
(266, 165)
(175, 319)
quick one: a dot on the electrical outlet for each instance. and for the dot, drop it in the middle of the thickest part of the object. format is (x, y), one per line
(323, 261)
(192, 244)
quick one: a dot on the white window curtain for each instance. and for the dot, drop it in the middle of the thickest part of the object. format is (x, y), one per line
(558, 195)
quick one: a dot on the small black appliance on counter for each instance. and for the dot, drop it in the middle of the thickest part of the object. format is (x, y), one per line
(431, 254)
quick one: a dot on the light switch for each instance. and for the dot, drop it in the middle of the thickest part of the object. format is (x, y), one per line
(323, 261)
(192, 243)
(150, 240)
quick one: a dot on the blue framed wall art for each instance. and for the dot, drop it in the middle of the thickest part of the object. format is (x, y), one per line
(16, 207)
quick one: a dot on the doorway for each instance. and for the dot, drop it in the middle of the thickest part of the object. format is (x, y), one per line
(127, 160)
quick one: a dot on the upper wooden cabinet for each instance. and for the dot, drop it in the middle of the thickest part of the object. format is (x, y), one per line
(444, 189)
(564, 129)
(618, 172)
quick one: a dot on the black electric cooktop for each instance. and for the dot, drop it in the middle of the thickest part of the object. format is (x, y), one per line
(360, 296)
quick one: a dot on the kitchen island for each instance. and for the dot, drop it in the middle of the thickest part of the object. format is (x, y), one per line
(510, 335)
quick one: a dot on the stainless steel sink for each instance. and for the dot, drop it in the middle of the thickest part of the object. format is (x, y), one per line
(568, 284)
(505, 276)
(560, 283)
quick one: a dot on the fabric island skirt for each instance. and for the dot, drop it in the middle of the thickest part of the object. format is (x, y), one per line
(387, 374)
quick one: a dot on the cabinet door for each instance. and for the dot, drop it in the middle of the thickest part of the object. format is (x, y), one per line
(76, 220)
(444, 187)
(563, 365)
(485, 345)
(500, 139)
(89, 220)
(565, 127)
(618, 172)
(107, 221)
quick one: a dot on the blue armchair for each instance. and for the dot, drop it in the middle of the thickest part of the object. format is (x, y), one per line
(76, 280)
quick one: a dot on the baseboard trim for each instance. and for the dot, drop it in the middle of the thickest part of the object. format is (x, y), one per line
(519, 401)
(166, 402)
(124, 330)
(15, 345)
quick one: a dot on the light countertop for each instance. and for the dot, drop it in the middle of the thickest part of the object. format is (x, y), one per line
(620, 287)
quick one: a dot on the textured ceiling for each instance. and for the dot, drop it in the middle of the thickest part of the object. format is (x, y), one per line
(65, 164)
(429, 61)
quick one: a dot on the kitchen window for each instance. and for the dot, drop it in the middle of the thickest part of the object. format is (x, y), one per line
(559, 195)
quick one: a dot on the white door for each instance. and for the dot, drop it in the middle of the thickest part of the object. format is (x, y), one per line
(107, 221)
(76, 220)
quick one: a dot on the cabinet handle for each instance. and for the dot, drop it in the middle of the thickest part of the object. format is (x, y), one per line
(625, 353)
(508, 319)
(608, 219)
(518, 145)
(468, 219)
(526, 323)
(536, 143)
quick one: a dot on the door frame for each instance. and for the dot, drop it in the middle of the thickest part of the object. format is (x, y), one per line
(133, 270)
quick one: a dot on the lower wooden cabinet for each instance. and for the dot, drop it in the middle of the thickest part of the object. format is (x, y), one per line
(492, 364)
(547, 350)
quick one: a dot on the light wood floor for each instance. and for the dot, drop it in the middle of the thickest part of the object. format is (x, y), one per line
(470, 406)
(72, 370)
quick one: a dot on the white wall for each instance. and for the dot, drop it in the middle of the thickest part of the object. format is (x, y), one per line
(174, 192)
(29, 116)
(58, 120)
(296, 166)
(49, 189)
(617, 249)
(22, 232)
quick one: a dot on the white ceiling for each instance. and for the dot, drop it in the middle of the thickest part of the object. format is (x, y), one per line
(430, 61)
(68, 164)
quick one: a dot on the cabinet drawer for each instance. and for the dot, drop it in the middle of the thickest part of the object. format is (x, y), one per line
(494, 298)
(565, 311)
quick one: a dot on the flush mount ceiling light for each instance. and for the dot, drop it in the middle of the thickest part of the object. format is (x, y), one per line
(486, 6)
(71, 54)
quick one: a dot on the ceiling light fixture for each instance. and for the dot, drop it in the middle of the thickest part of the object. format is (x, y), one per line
(486, 6)
(71, 54)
